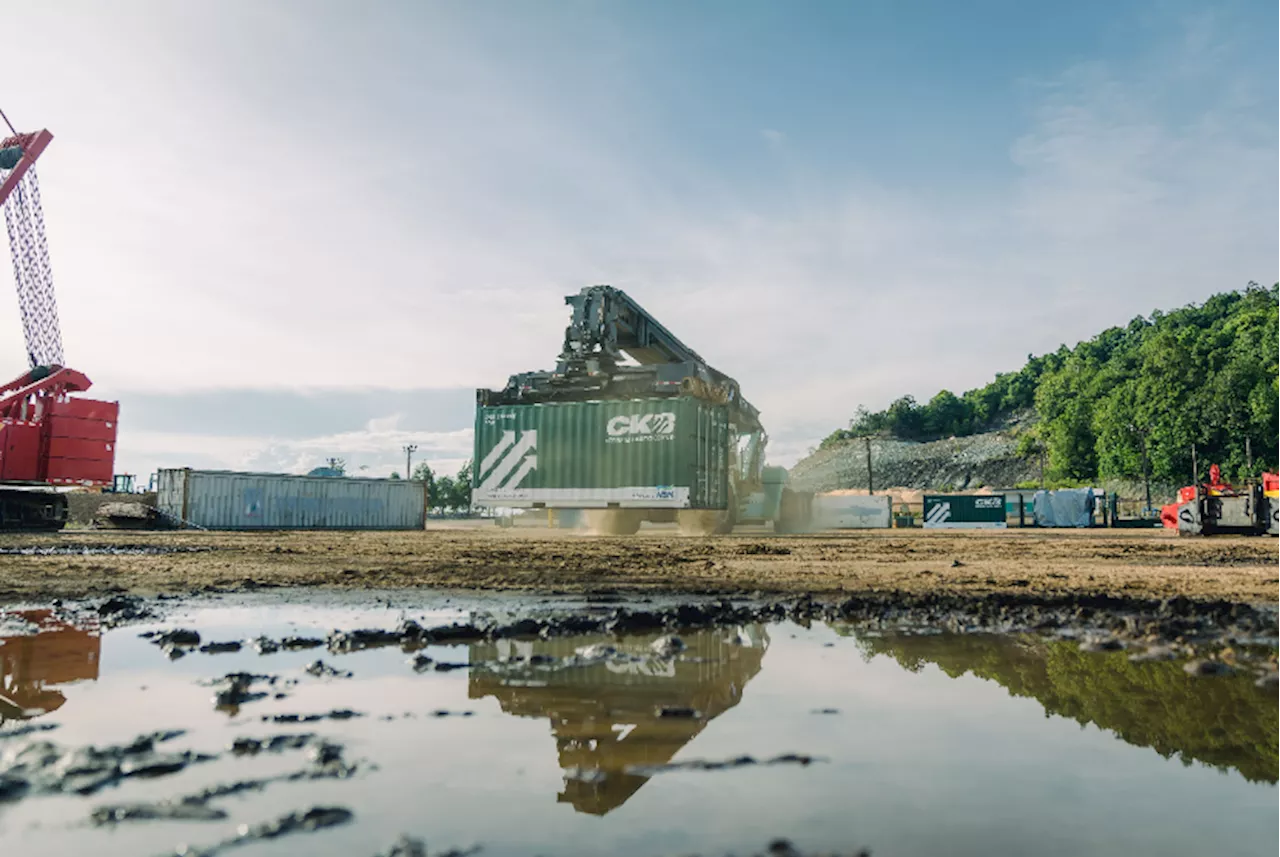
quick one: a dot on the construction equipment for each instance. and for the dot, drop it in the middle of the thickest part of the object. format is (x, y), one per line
(631, 425)
(48, 437)
(1220, 508)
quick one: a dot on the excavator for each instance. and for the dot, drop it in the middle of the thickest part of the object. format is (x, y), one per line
(49, 438)
(624, 384)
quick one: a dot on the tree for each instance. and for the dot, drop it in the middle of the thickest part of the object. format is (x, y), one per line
(423, 473)
(443, 499)
(1032, 448)
(460, 489)
(338, 464)
(462, 485)
(946, 415)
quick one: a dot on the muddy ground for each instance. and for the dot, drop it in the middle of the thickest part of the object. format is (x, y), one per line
(1115, 563)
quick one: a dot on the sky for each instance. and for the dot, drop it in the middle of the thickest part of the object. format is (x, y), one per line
(287, 231)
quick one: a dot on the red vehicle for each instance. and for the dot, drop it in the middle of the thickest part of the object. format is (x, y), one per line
(49, 438)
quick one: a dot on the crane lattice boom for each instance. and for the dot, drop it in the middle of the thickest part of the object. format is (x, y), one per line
(32, 273)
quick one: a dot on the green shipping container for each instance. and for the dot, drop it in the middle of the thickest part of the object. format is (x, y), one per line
(964, 511)
(668, 453)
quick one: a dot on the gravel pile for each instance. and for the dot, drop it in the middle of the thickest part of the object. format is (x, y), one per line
(955, 463)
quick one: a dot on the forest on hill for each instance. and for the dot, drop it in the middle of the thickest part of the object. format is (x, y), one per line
(1131, 398)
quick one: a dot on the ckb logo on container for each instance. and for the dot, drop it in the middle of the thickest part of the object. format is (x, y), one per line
(634, 428)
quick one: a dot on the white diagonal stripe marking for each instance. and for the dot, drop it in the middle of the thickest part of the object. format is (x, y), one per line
(508, 438)
(529, 464)
(508, 464)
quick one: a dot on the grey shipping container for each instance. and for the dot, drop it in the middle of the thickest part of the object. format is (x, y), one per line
(227, 500)
(668, 453)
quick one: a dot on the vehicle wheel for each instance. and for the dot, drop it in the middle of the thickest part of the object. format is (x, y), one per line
(707, 522)
(793, 513)
(613, 522)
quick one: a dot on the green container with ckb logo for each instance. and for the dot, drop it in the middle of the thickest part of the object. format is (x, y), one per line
(661, 453)
(964, 511)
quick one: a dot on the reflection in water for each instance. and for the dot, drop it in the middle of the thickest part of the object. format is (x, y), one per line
(604, 716)
(30, 664)
(1225, 722)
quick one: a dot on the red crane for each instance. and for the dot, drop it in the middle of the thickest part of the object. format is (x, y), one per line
(48, 437)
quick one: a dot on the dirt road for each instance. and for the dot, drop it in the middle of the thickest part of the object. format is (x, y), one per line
(1129, 563)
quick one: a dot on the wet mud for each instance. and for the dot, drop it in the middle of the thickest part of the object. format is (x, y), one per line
(1129, 563)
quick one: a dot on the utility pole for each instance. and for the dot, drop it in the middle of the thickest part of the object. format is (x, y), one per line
(1248, 458)
(1195, 469)
(871, 487)
(408, 459)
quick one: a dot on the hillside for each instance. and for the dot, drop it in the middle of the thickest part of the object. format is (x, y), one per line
(1203, 375)
(988, 459)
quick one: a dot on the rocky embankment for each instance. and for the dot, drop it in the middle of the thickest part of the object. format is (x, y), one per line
(957, 463)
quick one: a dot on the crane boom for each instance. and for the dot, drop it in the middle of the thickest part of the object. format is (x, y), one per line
(48, 436)
(24, 220)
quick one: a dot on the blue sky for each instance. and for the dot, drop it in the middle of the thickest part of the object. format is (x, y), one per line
(291, 230)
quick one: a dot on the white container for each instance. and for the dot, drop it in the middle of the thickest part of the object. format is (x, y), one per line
(226, 500)
(851, 511)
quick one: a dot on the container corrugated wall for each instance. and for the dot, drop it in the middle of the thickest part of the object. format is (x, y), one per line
(226, 500)
(639, 453)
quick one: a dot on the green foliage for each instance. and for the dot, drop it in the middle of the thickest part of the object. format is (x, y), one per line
(450, 493)
(1133, 398)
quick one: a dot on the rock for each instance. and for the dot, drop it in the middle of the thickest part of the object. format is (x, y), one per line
(220, 648)
(624, 620)
(177, 637)
(238, 690)
(668, 646)
(1104, 644)
(1155, 653)
(407, 846)
(322, 670)
(265, 645)
(12, 787)
(296, 643)
(522, 628)
(453, 634)
(596, 651)
(1269, 681)
(446, 666)
(174, 811)
(123, 607)
(1207, 668)
(361, 638)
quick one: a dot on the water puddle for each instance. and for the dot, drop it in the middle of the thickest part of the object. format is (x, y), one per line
(248, 726)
